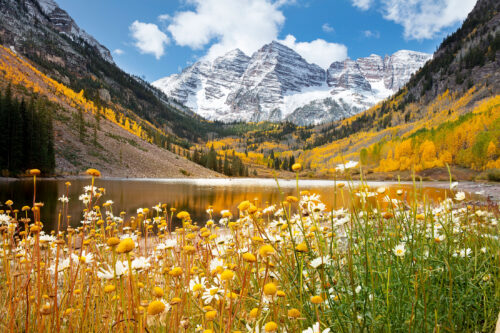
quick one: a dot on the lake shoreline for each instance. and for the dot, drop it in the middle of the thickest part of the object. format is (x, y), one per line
(486, 189)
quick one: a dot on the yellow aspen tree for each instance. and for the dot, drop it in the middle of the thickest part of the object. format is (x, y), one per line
(427, 154)
(491, 151)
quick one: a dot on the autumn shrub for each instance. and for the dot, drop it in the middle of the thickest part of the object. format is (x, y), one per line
(493, 175)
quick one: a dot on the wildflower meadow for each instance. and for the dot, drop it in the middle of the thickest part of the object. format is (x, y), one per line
(380, 264)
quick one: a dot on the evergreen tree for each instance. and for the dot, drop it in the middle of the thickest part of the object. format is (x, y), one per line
(196, 156)
(241, 169)
(285, 164)
(277, 163)
(169, 144)
(292, 162)
(97, 117)
(81, 125)
(51, 156)
(3, 134)
(28, 142)
(212, 159)
(94, 137)
(16, 156)
(226, 169)
(235, 167)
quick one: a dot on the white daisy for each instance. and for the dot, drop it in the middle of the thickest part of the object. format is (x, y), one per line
(399, 250)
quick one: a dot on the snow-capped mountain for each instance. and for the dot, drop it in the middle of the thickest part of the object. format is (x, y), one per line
(277, 84)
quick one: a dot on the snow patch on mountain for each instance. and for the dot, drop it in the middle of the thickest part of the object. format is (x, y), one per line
(48, 6)
(292, 101)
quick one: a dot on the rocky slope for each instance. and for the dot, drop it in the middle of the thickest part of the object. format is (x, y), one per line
(277, 84)
(53, 46)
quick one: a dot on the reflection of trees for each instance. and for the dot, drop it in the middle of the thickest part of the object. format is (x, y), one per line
(21, 192)
(48, 192)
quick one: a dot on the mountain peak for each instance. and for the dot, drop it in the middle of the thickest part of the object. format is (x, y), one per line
(234, 53)
(409, 52)
(277, 48)
(48, 6)
(231, 55)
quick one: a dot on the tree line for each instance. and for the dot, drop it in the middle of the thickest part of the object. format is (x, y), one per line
(27, 138)
(231, 165)
(277, 163)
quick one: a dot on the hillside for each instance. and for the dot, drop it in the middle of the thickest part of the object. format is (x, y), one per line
(47, 57)
(102, 138)
(46, 35)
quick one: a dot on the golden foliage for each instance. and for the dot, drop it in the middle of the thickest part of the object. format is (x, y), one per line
(20, 72)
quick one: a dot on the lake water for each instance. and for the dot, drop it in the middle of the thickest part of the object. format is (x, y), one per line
(192, 195)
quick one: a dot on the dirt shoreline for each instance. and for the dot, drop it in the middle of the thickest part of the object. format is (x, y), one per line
(489, 190)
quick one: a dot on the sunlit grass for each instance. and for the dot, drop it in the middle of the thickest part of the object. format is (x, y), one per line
(380, 264)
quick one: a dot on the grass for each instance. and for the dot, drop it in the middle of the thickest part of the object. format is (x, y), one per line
(383, 264)
(71, 154)
(122, 139)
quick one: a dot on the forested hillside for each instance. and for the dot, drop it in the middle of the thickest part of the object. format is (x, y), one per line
(447, 114)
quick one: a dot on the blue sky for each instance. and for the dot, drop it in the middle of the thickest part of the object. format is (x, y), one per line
(156, 38)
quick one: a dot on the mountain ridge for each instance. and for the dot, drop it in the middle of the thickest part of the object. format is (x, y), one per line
(277, 84)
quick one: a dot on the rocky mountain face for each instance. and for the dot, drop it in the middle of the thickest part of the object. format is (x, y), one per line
(62, 22)
(468, 57)
(46, 13)
(277, 84)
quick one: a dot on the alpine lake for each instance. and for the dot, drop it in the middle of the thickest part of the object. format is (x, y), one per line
(196, 195)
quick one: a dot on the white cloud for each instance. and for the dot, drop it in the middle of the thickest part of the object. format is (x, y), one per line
(423, 19)
(327, 27)
(370, 34)
(362, 4)
(164, 17)
(229, 24)
(318, 51)
(118, 52)
(149, 39)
